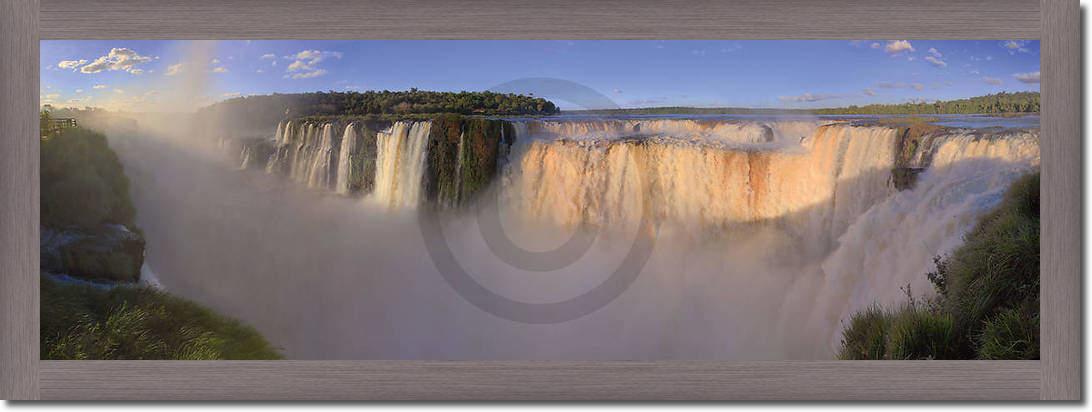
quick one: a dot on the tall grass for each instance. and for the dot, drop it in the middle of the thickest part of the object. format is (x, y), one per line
(128, 322)
(987, 304)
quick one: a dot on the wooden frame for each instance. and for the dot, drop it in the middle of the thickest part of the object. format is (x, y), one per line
(1055, 22)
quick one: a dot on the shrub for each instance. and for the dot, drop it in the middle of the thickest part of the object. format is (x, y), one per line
(918, 333)
(866, 336)
(1012, 334)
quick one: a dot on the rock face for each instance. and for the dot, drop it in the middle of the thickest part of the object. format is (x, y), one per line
(109, 253)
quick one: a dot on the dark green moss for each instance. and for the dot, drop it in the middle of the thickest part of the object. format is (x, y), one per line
(463, 156)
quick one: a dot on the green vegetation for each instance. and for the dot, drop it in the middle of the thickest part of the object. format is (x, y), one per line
(260, 111)
(84, 192)
(462, 156)
(82, 182)
(125, 322)
(987, 305)
(1001, 103)
(1021, 102)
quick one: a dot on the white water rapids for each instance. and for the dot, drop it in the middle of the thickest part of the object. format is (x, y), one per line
(771, 234)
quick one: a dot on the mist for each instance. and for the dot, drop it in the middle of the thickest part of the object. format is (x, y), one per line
(760, 251)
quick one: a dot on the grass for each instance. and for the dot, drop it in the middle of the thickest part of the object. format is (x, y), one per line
(127, 322)
(987, 304)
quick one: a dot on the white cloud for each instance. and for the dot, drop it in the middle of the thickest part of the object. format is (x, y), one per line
(307, 75)
(137, 71)
(119, 59)
(1029, 78)
(900, 85)
(808, 97)
(936, 61)
(268, 56)
(305, 63)
(869, 92)
(876, 45)
(214, 61)
(99, 86)
(992, 80)
(231, 95)
(898, 46)
(219, 69)
(79, 90)
(71, 64)
(933, 51)
(1016, 46)
(119, 91)
(173, 69)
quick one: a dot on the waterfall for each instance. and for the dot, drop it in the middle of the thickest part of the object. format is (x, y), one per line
(400, 164)
(817, 185)
(891, 246)
(344, 162)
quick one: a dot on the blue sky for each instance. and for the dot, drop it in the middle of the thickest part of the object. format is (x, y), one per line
(146, 75)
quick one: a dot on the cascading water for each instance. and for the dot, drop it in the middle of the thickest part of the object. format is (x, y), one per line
(798, 223)
(400, 164)
(349, 141)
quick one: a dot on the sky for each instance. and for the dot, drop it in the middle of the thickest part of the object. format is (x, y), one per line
(151, 75)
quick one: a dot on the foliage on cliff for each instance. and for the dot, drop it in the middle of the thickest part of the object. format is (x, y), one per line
(987, 304)
(260, 111)
(82, 182)
(126, 322)
(1021, 102)
(462, 157)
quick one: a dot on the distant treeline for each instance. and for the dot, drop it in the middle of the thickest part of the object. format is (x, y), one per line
(689, 110)
(1022, 102)
(260, 111)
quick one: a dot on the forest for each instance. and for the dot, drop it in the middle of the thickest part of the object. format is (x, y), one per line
(254, 111)
(1022, 102)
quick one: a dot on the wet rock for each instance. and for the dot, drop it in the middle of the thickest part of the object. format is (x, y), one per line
(108, 253)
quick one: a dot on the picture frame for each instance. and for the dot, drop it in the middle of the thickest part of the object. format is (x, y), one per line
(1056, 23)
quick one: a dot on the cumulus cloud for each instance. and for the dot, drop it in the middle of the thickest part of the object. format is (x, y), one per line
(305, 63)
(99, 86)
(935, 61)
(1029, 78)
(876, 45)
(119, 59)
(307, 75)
(936, 53)
(219, 69)
(992, 81)
(898, 46)
(71, 64)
